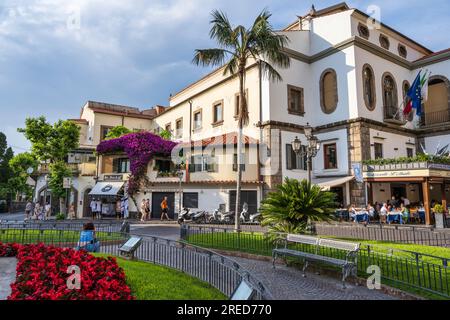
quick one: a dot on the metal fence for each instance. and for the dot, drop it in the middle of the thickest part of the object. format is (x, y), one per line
(60, 225)
(403, 269)
(379, 232)
(219, 271)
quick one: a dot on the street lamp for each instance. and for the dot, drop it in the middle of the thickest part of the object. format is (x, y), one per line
(180, 175)
(310, 150)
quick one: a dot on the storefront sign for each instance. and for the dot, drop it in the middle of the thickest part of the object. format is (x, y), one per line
(113, 177)
(397, 174)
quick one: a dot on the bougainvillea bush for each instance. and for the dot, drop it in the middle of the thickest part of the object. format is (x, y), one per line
(42, 274)
(140, 148)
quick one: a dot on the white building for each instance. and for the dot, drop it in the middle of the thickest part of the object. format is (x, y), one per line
(347, 79)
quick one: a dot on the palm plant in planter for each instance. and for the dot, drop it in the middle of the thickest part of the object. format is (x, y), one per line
(295, 205)
(439, 215)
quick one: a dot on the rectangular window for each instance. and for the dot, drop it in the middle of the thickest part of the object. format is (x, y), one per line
(163, 165)
(121, 165)
(218, 113)
(202, 163)
(197, 120)
(295, 100)
(190, 199)
(409, 152)
(104, 130)
(179, 128)
(235, 161)
(378, 147)
(296, 161)
(330, 156)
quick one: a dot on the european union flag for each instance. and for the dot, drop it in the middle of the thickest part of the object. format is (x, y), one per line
(415, 94)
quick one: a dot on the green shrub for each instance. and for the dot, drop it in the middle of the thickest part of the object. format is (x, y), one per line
(60, 216)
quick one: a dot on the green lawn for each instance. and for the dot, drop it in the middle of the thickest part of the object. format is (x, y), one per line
(399, 268)
(152, 282)
(50, 236)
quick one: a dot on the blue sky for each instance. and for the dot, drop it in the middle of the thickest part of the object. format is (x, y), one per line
(138, 52)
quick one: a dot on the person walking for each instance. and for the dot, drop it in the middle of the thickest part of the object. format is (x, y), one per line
(72, 211)
(147, 209)
(28, 209)
(118, 209)
(48, 211)
(164, 209)
(143, 210)
(37, 210)
(93, 206)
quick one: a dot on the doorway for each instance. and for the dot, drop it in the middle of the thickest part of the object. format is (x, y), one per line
(86, 204)
(251, 197)
(339, 192)
(157, 198)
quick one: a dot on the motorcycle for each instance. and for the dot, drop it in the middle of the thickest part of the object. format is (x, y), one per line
(186, 216)
(245, 216)
(218, 216)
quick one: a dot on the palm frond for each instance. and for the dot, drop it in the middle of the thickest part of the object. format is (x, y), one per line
(209, 57)
(295, 205)
(222, 30)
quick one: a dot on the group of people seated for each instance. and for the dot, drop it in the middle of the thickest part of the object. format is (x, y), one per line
(393, 210)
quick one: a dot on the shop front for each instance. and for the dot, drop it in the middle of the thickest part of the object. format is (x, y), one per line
(105, 196)
(423, 184)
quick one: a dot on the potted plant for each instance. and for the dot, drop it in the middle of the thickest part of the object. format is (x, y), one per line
(439, 216)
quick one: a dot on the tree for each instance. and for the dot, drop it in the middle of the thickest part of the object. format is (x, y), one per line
(19, 166)
(165, 134)
(58, 171)
(52, 143)
(117, 132)
(295, 205)
(238, 46)
(6, 154)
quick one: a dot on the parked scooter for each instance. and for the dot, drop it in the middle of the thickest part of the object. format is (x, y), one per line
(218, 216)
(247, 217)
(186, 216)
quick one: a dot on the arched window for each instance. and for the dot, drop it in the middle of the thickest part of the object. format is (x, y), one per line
(328, 91)
(437, 106)
(390, 99)
(369, 87)
(384, 42)
(405, 89)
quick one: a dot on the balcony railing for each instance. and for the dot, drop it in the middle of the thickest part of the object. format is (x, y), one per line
(436, 117)
(44, 168)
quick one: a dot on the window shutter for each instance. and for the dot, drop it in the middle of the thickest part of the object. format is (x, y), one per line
(288, 157)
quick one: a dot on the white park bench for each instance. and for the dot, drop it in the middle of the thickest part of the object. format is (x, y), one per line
(349, 249)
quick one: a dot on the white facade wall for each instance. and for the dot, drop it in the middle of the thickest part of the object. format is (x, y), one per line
(341, 139)
(394, 145)
(414, 51)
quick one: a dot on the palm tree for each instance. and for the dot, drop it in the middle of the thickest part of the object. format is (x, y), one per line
(238, 47)
(295, 205)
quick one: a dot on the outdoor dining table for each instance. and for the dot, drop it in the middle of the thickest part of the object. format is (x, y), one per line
(362, 217)
(395, 217)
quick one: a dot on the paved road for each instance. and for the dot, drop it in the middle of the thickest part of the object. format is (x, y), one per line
(166, 231)
(7, 276)
(12, 216)
(287, 283)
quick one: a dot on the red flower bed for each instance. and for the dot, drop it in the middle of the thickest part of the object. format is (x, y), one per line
(42, 274)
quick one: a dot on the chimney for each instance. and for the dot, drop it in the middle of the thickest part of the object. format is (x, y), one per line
(160, 109)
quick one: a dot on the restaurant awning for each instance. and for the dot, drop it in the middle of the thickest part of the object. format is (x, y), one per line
(107, 188)
(328, 183)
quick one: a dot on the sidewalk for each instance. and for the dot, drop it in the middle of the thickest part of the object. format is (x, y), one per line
(287, 283)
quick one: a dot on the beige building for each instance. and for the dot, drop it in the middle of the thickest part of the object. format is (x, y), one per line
(347, 80)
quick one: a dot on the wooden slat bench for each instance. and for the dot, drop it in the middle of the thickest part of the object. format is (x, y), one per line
(348, 265)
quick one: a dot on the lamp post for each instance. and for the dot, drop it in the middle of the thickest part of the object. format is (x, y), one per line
(311, 148)
(180, 175)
